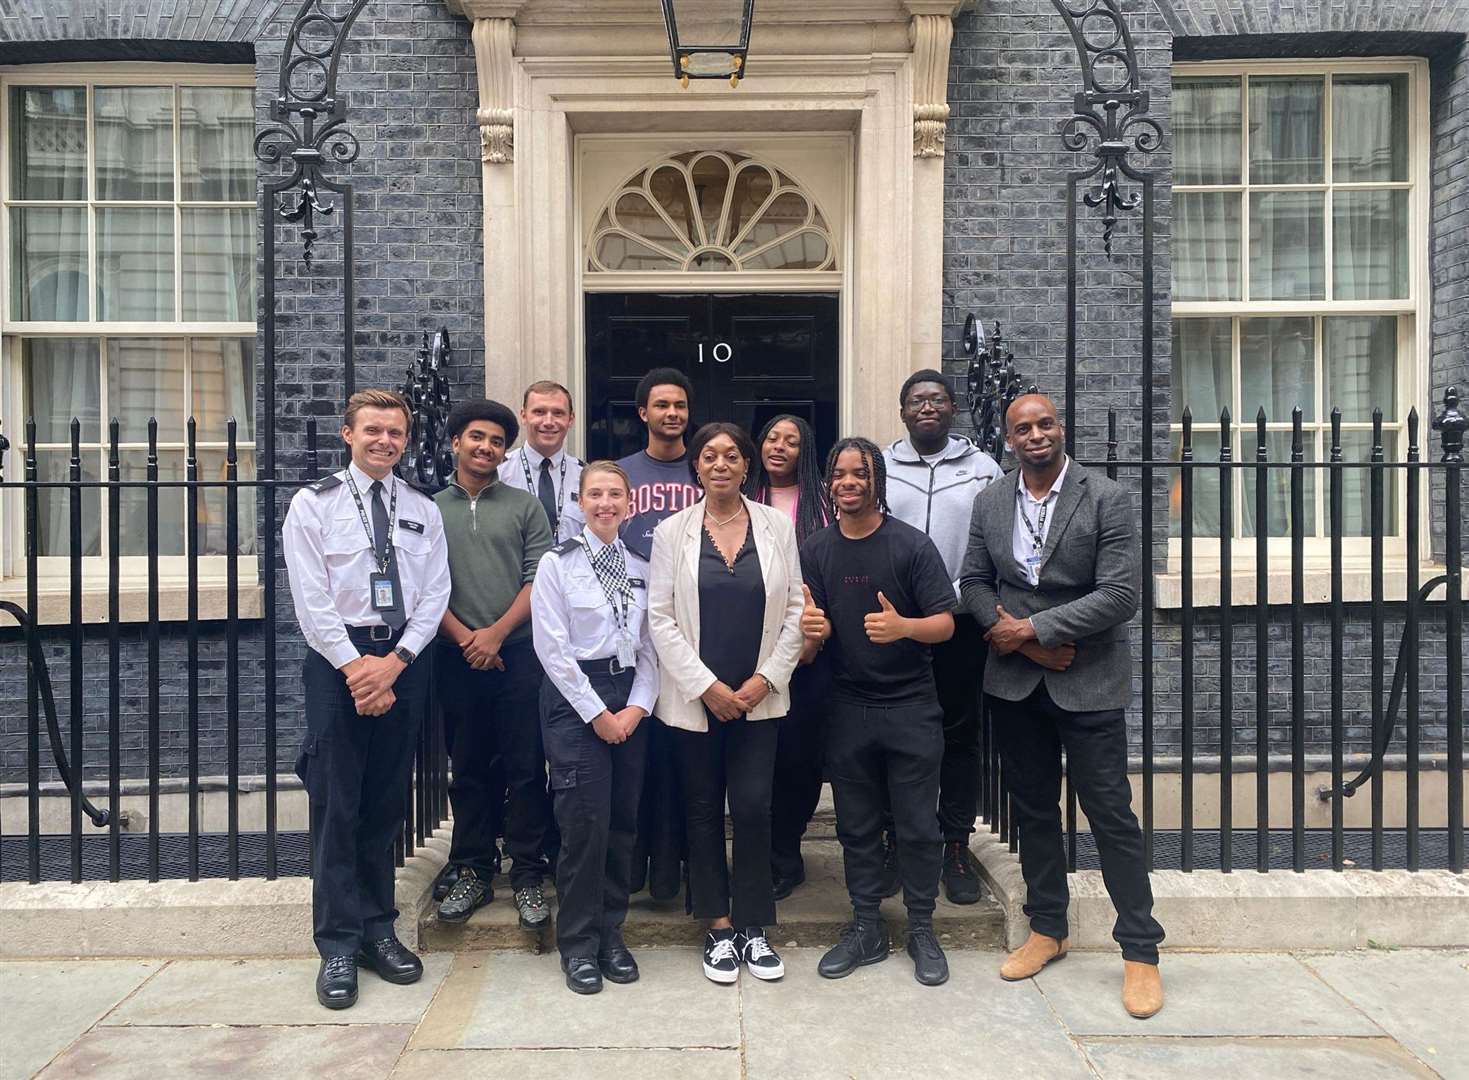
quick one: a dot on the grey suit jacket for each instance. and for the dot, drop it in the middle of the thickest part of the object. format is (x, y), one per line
(1088, 590)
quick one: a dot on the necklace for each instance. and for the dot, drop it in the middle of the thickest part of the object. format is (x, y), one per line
(717, 523)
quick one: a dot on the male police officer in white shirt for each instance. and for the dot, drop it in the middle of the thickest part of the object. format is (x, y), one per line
(542, 466)
(369, 575)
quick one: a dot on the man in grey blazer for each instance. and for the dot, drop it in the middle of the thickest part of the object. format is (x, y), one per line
(1052, 574)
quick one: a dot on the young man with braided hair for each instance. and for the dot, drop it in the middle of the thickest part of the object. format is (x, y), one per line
(877, 597)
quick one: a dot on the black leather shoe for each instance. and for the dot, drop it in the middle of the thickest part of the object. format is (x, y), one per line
(391, 959)
(961, 883)
(930, 966)
(891, 879)
(784, 885)
(582, 974)
(617, 964)
(336, 982)
(861, 943)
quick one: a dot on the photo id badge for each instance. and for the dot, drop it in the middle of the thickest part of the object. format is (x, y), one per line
(384, 593)
(627, 654)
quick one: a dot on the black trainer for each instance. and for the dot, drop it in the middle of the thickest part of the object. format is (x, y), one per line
(891, 881)
(961, 883)
(721, 956)
(469, 894)
(756, 954)
(391, 959)
(861, 943)
(930, 966)
(445, 881)
(530, 901)
(336, 982)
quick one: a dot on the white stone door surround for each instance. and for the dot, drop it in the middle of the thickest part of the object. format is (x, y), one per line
(872, 70)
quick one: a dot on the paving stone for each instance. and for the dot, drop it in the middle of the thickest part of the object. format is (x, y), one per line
(1205, 994)
(358, 1052)
(197, 992)
(570, 1064)
(878, 1022)
(1419, 997)
(1230, 1059)
(516, 1000)
(46, 1004)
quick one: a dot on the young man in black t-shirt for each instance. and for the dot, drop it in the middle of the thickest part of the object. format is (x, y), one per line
(877, 596)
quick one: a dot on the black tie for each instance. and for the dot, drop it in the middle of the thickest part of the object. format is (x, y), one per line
(546, 492)
(395, 618)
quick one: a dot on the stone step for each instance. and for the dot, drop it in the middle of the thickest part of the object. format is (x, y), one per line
(812, 916)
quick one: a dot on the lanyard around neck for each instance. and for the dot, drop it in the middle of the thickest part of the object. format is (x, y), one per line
(530, 484)
(384, 557)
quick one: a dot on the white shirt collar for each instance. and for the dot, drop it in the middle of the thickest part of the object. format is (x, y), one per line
(534, 457)
(363, 481)
(594, 542)
(1021, 489)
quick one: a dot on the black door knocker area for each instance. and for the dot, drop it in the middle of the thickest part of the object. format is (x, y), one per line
(750, 356)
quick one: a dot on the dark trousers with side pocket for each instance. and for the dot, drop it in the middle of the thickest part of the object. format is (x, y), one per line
(357, 771)
(1030, 735)
(595, 787)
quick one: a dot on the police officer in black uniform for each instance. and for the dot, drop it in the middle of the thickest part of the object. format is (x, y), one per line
(369, 575)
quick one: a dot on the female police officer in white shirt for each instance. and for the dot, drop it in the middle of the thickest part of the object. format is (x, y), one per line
(588, 608)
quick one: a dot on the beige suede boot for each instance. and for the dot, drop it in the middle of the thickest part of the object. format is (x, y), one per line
(1142, 989)
(1036, 953)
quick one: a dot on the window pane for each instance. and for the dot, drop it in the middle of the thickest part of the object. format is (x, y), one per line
(1369, 128)
(134, 127)
(1206, 485)
(1286, 145)
(1357, 484)
(214, 500)
(1277, 483)
(1369, 258)
(53, 521)
(135, 265)
(48, 264)
(48, 148)
(1287, 245)
(216, 143)
(1206, 246)
(134, 503)
(224, 386)
(145, 377)
(1201, 368)
(219, 265)
(60, 376)
(1360, 360)
(1206, 131)
(1277, 369)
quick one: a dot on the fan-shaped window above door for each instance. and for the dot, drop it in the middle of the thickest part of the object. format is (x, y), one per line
(710, 211)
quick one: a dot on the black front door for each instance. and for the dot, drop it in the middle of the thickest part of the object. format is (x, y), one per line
(749, 356)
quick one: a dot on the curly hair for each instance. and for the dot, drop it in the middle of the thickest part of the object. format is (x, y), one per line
(813, 499)
(871, 457)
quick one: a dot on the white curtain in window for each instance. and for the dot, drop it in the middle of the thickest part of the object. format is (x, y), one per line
(219, 265)
(1206, 239)
(135, 265)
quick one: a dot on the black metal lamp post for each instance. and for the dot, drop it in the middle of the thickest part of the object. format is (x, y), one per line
(708, 39)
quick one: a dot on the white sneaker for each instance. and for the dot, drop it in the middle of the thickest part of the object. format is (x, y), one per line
(721, 956)
(757, 955)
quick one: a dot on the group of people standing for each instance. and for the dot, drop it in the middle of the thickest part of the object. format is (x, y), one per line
(625, 649)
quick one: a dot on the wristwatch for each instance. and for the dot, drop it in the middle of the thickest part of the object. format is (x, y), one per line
(405, 655)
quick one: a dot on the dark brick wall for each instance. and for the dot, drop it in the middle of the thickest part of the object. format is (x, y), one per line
(409, 79)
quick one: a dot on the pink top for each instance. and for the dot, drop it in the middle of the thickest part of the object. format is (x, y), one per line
(786, 499)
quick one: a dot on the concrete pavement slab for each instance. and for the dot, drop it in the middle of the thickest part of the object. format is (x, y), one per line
(357, 1052)
(1419, 997)
(1205, 994)
(197, 992)
(46, 1004)
(1230, 1059)
(517, 1000)
(878, 1023)
(570, 1064)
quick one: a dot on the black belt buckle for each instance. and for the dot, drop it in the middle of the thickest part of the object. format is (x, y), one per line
(382, 632)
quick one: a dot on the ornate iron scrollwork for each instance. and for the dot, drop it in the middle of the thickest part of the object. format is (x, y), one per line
(993, 383)
(429, 462)
(1111, 108)
(309, 116)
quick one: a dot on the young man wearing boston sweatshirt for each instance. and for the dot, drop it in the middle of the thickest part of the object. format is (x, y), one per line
(933, 478)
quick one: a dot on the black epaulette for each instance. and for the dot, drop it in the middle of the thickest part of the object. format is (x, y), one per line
(580, 463)
(326, 483)
(567, 546)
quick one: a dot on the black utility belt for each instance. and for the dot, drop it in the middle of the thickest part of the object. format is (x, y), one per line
(606, 665)
(373, 635)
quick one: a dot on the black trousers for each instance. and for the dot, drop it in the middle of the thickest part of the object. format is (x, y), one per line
(733, 760)
(1030, 735)
(658, 853)
(595, 787)
(799, 752)
(357, 771)
(958, 672)
(878, 757)
(494, 742)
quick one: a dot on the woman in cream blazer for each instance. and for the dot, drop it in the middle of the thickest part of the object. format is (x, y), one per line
(724, 609)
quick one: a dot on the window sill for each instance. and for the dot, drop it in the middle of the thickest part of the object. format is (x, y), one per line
(1356, 585)
(173, 601)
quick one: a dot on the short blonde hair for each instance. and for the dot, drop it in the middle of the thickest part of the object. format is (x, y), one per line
(603, 467)
(376, 399)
